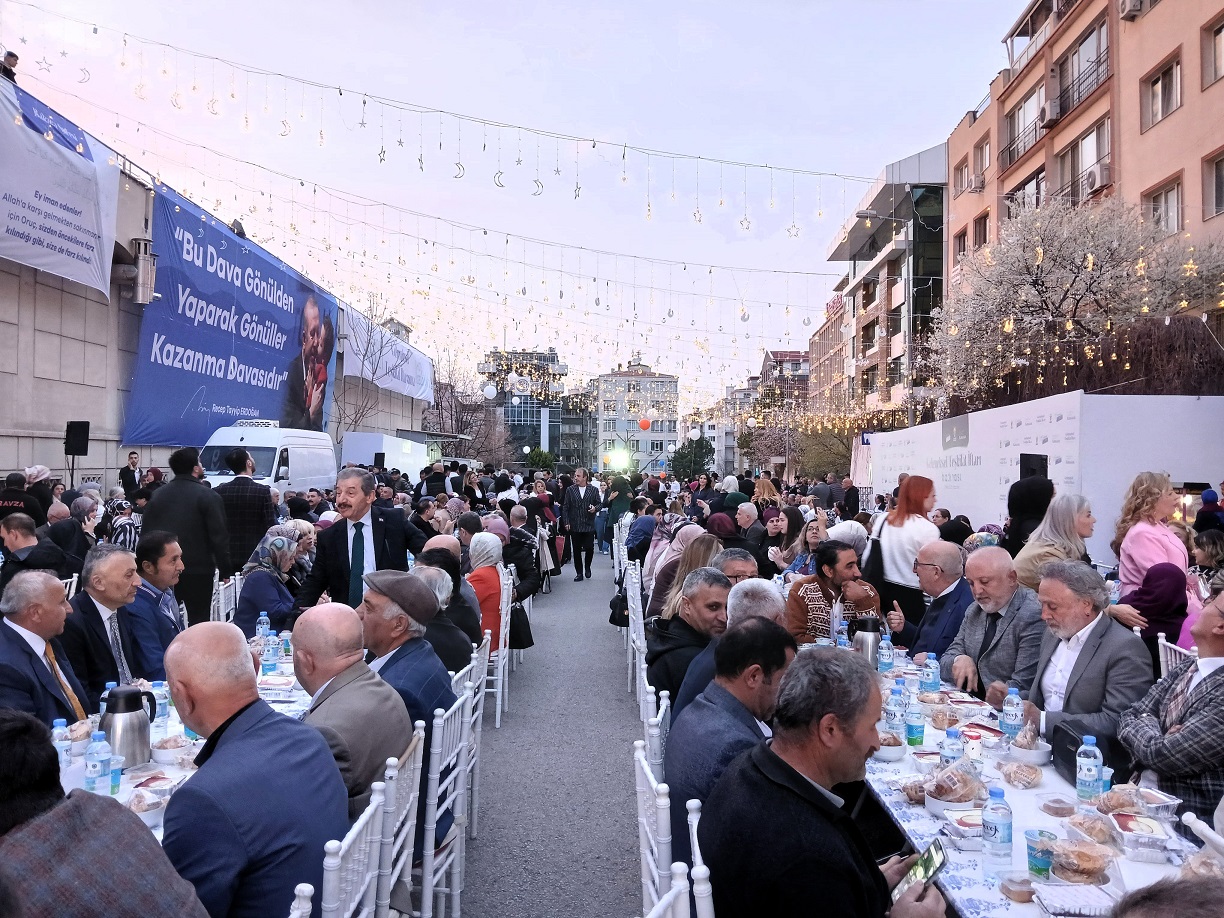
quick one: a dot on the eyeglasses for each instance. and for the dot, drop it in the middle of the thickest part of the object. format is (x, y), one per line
(736, 578)
(918, 564)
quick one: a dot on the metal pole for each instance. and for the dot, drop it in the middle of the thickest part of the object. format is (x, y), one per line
(909, 327)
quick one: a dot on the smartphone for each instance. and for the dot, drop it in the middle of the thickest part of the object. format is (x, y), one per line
(928, 865)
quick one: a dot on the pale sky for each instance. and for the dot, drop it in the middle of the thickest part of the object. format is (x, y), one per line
(819, 86)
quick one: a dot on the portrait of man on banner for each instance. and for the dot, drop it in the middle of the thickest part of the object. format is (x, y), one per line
(306, 387)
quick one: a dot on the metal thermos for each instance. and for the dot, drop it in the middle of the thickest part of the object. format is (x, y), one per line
(126, 723)
(865, 636)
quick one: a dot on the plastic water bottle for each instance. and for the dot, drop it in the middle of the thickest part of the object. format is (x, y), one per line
(915, 723)
(894, 714)
(270, 656)
(951, 749)
(102, 700)
(930, 674)
(1012, 721)
(98, 765)
(884, 655)
(1088, 765)
(1115, 592)
(996, 835)
(286, 644)
(411, 560)
(162, 693)
(263, 625)
(63, 745)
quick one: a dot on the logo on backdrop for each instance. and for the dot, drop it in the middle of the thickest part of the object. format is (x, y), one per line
(234, 334)
(956, 432)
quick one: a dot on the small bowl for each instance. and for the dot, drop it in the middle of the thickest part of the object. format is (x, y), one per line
(79, 746)
(938, 806)
(1038, 756)
(168, 756)
(153, 818)
(926, 759)
(890, 753)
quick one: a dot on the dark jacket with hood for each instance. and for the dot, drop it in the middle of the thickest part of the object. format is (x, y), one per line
(45, 556)
(671, 645)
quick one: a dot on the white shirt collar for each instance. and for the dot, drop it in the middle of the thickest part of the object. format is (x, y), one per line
(105, 611)
(379, 662)
(367, 520)
(1206, 665)
(39, 646)
(1076, 641)
(315, 697)
(955, 584)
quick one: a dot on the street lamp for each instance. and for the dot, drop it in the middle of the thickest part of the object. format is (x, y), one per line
(868, 216)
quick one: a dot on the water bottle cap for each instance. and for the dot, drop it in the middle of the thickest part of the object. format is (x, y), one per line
(271, 634)
(931, 657)
(996, 792)
(97, 736)
(111, 685)
(1089, 740)
(59, 722)
(1013, 691)
(159, 684)
(896, 691)
(887, 639)
(953, 733)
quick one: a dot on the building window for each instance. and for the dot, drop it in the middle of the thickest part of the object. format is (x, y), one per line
(1164, 206)
(960, 245)
(609, 444)
(609, 407)
(633, 387)
(1022, 127)
(1028, 195)
(635, 446)
(656, 426)
(961, 178)
(1213, 188)
(610, 425)
(632, 406)
(870, 331)
(1161, 95)
(871, 379)
(1089, 150)
(656, 446)
(1217, 52)
(1084, 69)
(981, 157)
(671, 426)
(981, 230)
(871, 287)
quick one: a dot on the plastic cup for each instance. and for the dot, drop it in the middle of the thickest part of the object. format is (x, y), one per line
(1040, 844)
(116, 774)
(1106, 779)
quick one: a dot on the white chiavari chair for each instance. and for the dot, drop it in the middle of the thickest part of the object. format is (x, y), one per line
(401, 812)
(214, 613)
(648, 703)
(480, 661)
(703, 893)
(495, 682)
(636, 653)
(656, 735)
(1172, 656)
(350, 867)
(442, 868)
(70, 586)
(1212, 840)
(654, 829)
(675, 902)
(303, 896)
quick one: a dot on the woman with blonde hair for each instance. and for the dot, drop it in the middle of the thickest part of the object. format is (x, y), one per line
(1059, 536)
(899, 535)
(765, 495)
(697, 553)
(1143, 538)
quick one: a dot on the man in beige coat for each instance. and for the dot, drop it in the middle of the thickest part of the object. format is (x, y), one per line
(361, 716)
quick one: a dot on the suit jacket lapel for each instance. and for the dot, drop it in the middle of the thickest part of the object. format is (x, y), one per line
(380, 531)
(93, 619)
(1084, 660)
(1009, 616)
(49, 682)
(356, 671)
(342, 551)
(1049, 643)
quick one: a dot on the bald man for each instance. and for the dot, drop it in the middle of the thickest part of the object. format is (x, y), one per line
(999, 641)
(363, 719)
(940, 567)
(252, 822)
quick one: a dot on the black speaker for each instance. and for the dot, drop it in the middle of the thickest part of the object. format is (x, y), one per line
(380, 460)
(76, 438)
(1034, 465)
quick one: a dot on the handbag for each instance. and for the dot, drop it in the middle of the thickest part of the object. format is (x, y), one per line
(873, 564)
(1068, 736)
(618, 606)
(520, 628)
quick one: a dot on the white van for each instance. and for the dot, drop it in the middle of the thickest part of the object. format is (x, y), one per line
(285, 458)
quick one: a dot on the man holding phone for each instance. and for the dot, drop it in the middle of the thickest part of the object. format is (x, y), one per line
(774, 835)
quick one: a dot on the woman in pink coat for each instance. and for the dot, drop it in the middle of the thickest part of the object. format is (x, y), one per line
(1143, 539)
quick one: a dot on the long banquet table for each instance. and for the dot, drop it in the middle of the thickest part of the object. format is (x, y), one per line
(963, 881)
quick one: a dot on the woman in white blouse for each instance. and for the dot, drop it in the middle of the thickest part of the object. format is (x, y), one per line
(901, 533)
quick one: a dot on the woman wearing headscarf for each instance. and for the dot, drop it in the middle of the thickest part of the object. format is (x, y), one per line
(1161, 600)
(659, 540)
(38, 485)
(123, 531)
(1209, 517)
(456, 506)
(485, 552)
(75, 535)
(263, 581)
(153, 479)
(1027, 502)
(303, 560)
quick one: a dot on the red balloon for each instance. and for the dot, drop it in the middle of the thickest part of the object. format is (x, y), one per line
(644, 424)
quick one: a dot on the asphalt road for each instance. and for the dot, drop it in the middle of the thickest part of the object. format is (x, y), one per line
(558, 822)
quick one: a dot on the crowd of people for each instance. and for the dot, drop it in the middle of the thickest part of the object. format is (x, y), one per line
(387, 584)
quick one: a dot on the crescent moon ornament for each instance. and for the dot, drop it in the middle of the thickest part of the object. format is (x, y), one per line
(539, 189)
(286, 129)
(177, 100)
(84, 76)
(212, 107)
(497, 179)
(459, 166)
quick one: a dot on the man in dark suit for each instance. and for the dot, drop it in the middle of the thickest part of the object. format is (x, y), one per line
(747, 519)
(940, 571)
(154, 614)
(245, 841)
(824, 731)
(196, 515)
(851, 496)
(249, 511)
(25, 551)
(306, 386)
(98, 633)
(362, 717)
(726, 718)
(130, 475)
(35, 675)
(1091, 668)
(367, 539)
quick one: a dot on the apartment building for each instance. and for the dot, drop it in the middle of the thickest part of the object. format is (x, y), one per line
(623, 398)
(529, 388)
(827, 360)
(726, 421)
(1101, 96)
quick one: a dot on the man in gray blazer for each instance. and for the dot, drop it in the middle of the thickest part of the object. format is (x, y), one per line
(362, 717)
(1000, 637)
(1091, 668)
(725, 719)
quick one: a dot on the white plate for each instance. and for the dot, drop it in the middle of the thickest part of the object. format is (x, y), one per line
(890, 753)
(1038, 756)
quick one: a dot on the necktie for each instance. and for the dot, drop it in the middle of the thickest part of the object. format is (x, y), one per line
(63, 683)
(356, 566)
(992, 625)
(125, 674)
(1179, 696)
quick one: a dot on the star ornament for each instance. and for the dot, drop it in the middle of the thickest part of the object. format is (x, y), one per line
(44, 64)
(793, 231)
(382, 154)
(746, 223)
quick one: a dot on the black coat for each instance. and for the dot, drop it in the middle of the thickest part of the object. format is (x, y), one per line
(671, 645)
(816, 862)
(89, 651)
(449, 643)
(575, 508)
(330, 573)
(852, 500)
(193, 512)
(74, 541)
(129, 480)
(521, 552)
(45, 556)
(249, 514)
(41, 492)
(18, 500)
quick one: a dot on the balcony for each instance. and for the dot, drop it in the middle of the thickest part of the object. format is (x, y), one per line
(1021, 144)
(1092, 76)
(1088, 183)
(1038, 39)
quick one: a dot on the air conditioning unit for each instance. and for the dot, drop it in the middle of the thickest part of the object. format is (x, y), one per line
(977, 184)
(1130, 10)
(1049, 113)
(1095, 179)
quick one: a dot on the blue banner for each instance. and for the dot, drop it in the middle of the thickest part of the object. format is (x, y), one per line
(232, 334)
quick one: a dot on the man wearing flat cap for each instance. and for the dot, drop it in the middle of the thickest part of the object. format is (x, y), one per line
(394, 612)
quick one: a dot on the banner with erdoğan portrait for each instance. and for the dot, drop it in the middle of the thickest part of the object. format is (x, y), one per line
(59, 191)
(233, 334)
